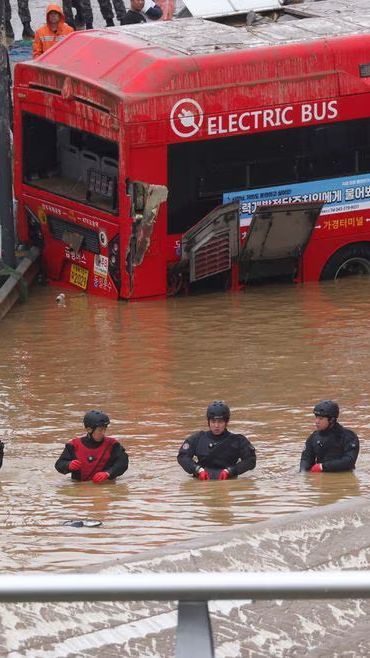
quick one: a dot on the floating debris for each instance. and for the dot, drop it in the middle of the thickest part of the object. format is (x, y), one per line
(80, 523)
(61, 299)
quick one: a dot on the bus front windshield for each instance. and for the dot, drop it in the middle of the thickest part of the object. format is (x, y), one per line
(69, 162)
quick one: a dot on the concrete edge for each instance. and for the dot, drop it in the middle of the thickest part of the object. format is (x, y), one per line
(281, 523)
(26, 271)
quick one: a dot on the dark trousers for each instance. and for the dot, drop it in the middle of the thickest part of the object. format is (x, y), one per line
(23, 11)
(107, 10)
(83, 8)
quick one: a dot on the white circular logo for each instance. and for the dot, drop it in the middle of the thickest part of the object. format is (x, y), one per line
(186, 117)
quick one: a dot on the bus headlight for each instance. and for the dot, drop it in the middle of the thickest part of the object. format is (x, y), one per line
(114, 261)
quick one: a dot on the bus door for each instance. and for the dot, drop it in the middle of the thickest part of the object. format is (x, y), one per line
(276, 241)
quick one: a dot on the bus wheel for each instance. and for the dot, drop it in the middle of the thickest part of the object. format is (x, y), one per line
(351, 260)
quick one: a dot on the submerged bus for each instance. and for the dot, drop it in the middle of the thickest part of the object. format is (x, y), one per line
(150, 157)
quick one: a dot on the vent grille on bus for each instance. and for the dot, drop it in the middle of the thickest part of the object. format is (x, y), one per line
(60, 229)
(211, 258)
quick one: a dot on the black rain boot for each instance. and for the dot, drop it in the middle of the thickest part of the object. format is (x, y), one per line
(28, 32)
(9, 30)
(110, 22)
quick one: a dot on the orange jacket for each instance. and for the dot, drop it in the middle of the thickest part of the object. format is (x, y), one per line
(45, 37)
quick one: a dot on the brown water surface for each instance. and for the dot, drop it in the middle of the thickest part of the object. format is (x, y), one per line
(271, 352)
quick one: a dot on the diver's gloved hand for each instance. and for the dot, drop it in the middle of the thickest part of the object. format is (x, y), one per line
(74, 465)
(316, 468)
(224, 474)
(203, 475)
(100, 476)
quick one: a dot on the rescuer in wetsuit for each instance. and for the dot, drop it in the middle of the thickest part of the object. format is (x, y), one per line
(331, 448)
(94, 456)
(217, 454)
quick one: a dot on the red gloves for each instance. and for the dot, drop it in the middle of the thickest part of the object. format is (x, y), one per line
(203, 475)
(74, 465)
(224, 474)
(316, 468)
(100, 476)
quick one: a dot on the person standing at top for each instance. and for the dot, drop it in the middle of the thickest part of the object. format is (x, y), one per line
(93, 456)
(217, 454)
(135, 13)
(141, 10)
(331, 447)
(24, 15)
(54, 30)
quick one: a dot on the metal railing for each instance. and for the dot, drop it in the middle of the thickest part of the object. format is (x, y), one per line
(192, 591)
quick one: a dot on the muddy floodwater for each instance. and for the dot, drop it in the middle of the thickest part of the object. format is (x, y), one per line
(270, 352)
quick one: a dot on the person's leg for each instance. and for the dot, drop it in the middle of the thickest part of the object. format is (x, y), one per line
(106, 11)
(8, 18)
(23, 11)
(25, 16)
(120, 9)
(87, 13)
(68, 13)
(79, 16)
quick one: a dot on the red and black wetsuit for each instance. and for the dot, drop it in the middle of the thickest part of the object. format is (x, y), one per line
(108, 455)
(214, 453)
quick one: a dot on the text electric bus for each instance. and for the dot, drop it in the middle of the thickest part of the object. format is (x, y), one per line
(151, 156)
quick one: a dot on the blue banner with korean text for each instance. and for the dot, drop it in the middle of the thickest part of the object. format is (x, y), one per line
(338, 195)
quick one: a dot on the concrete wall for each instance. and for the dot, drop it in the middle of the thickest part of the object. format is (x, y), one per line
(332, 537)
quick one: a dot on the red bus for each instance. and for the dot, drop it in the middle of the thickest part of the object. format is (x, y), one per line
(151, 156)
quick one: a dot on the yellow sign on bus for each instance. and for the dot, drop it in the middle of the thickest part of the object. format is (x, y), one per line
(79, 276)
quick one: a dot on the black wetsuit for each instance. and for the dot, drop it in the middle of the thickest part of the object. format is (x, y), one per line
(214, 453)
(336, 449)
(116, 465)
(1, 453)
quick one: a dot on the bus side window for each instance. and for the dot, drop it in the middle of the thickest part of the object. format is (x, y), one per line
(363, 158)
(273, 172)
(40, 153)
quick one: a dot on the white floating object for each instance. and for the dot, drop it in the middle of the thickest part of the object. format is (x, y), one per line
(61, 298)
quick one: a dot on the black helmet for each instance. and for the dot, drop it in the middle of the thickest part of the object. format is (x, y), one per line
(96, 419)
(326, 408)
(218, 409)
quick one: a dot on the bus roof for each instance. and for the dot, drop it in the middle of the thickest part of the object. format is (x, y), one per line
(294, 23)
(133, 55)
